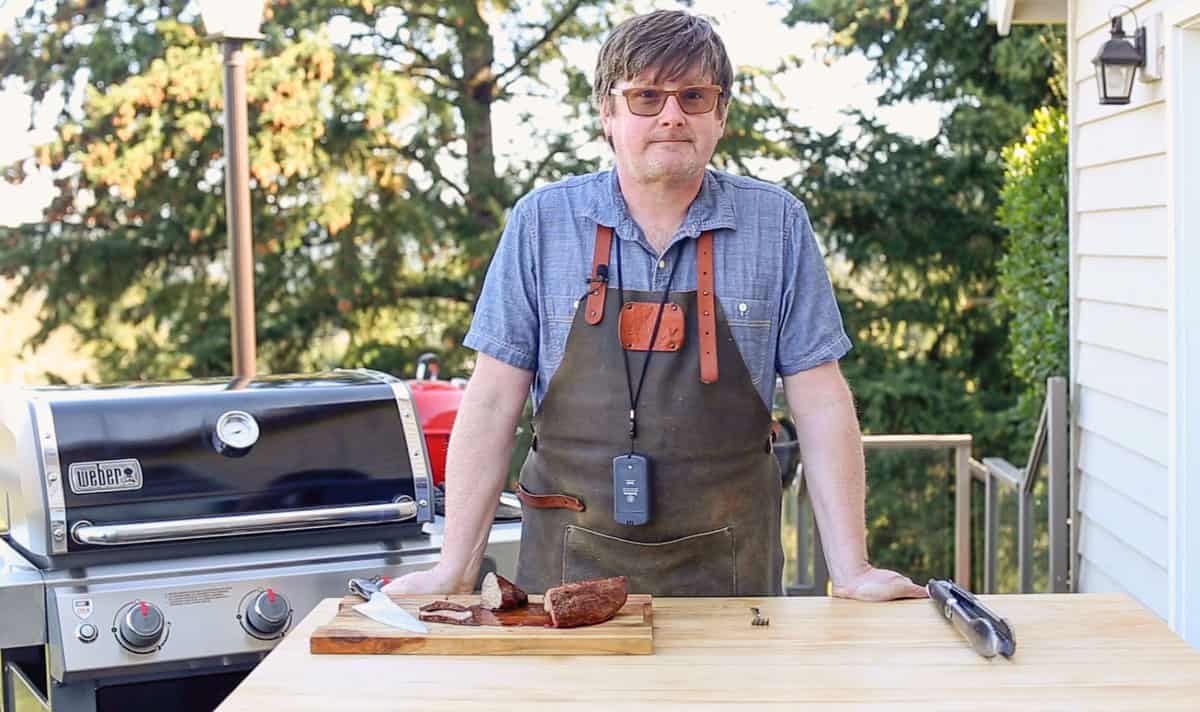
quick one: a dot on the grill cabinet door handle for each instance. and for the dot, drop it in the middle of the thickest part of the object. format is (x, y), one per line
(85, 532)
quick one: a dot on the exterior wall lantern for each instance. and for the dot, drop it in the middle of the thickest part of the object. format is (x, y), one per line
(233, 23)
(1117, 62)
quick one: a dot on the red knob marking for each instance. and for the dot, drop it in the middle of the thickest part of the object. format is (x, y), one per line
(385, 580)
(271, 595)
(144, 607)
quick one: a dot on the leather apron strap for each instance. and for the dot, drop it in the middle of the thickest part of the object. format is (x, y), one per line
(598, 282)
(708, 308)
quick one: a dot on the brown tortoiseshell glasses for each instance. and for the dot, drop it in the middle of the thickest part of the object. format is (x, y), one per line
(649, 101)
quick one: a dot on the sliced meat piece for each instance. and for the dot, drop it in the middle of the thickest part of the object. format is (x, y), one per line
(499, 594)
(585, 602)
(483, 616)
(448, 616)
(443, 606)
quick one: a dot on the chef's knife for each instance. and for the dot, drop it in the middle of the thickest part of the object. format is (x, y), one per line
(988, 633)
(380, 608)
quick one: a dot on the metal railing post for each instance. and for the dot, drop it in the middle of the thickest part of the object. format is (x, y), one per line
(1025, 539)
(803, 526)
(991, 530)
(1058, 432)
(808, 538)
(962, 514)
(820, 566)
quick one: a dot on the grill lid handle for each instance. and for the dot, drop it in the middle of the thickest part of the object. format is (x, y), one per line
(400, 510)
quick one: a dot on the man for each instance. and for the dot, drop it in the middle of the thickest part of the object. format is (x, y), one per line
(650, 308)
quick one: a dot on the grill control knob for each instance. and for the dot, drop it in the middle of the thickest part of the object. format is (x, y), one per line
(267, 613)
(141, 627)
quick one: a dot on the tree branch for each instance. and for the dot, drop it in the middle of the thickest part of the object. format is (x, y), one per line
(435, 19)
(426, 61)
(521, 55)
(430, 166)
(427, 71)
(557, 148)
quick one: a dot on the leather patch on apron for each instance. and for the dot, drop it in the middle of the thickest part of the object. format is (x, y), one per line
(636, 324)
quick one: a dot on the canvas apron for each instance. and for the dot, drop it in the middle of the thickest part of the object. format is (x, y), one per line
(714, 527)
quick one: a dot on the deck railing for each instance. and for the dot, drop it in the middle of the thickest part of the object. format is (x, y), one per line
(1049, 449)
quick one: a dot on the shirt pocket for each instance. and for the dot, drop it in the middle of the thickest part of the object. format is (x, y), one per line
(560, 315)
(750, 324)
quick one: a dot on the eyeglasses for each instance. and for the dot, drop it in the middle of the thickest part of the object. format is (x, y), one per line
(648, 101)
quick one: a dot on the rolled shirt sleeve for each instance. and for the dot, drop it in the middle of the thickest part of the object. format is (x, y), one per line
(505, 324)
(810, 329)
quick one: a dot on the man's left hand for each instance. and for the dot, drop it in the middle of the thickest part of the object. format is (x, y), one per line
(878, 585)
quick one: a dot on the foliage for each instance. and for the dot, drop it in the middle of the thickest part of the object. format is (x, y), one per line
(376, 196)
(912, 226)
(1033, 271)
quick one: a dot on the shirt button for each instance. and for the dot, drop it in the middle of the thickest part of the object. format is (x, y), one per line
(662, 264)
(742, 307)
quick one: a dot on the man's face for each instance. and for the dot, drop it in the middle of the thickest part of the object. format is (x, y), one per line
(670, 148)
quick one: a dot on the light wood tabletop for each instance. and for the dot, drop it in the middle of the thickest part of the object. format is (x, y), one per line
(1074, 651)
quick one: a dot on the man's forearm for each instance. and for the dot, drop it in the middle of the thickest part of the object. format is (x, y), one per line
(831, 449)
(476, 469)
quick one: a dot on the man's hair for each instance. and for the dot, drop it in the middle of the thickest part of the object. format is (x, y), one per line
(669, 43)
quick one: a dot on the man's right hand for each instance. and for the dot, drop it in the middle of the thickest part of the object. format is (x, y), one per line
(438, 580)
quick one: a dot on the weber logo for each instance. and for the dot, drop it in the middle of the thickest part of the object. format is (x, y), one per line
(105, 476)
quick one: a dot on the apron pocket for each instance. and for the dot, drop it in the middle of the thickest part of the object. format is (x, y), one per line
(701, 564)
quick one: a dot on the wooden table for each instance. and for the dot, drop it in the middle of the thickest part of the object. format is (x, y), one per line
(1074, 651)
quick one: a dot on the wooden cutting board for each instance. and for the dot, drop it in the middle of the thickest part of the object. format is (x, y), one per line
(630, 632)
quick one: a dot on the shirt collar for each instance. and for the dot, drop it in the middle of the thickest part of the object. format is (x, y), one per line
(711, 210)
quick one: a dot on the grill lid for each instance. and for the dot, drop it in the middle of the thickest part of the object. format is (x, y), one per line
(152, 462)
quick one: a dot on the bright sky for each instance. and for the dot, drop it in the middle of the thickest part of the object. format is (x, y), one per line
(753, 32)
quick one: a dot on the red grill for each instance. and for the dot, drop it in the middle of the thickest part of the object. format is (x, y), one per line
(436, 403)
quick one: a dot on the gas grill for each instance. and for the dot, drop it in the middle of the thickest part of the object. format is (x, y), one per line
(162, 537)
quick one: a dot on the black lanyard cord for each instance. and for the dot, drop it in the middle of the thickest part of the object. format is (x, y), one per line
(635, 395)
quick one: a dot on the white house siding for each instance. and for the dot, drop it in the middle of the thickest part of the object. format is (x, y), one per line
(1119, 325)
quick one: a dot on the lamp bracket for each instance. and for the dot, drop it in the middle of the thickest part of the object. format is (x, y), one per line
(1148, 39)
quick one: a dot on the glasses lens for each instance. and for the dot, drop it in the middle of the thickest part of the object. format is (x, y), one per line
(697, 100)
(646, 102)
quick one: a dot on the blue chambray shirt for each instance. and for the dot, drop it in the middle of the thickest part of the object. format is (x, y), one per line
(770, 276)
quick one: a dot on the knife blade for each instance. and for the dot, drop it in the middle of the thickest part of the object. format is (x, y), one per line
(379, 607)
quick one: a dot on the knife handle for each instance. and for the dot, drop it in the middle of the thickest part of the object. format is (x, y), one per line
(364, 587)
(984, 630)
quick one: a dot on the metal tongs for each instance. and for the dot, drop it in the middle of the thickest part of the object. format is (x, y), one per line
(987, 632)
